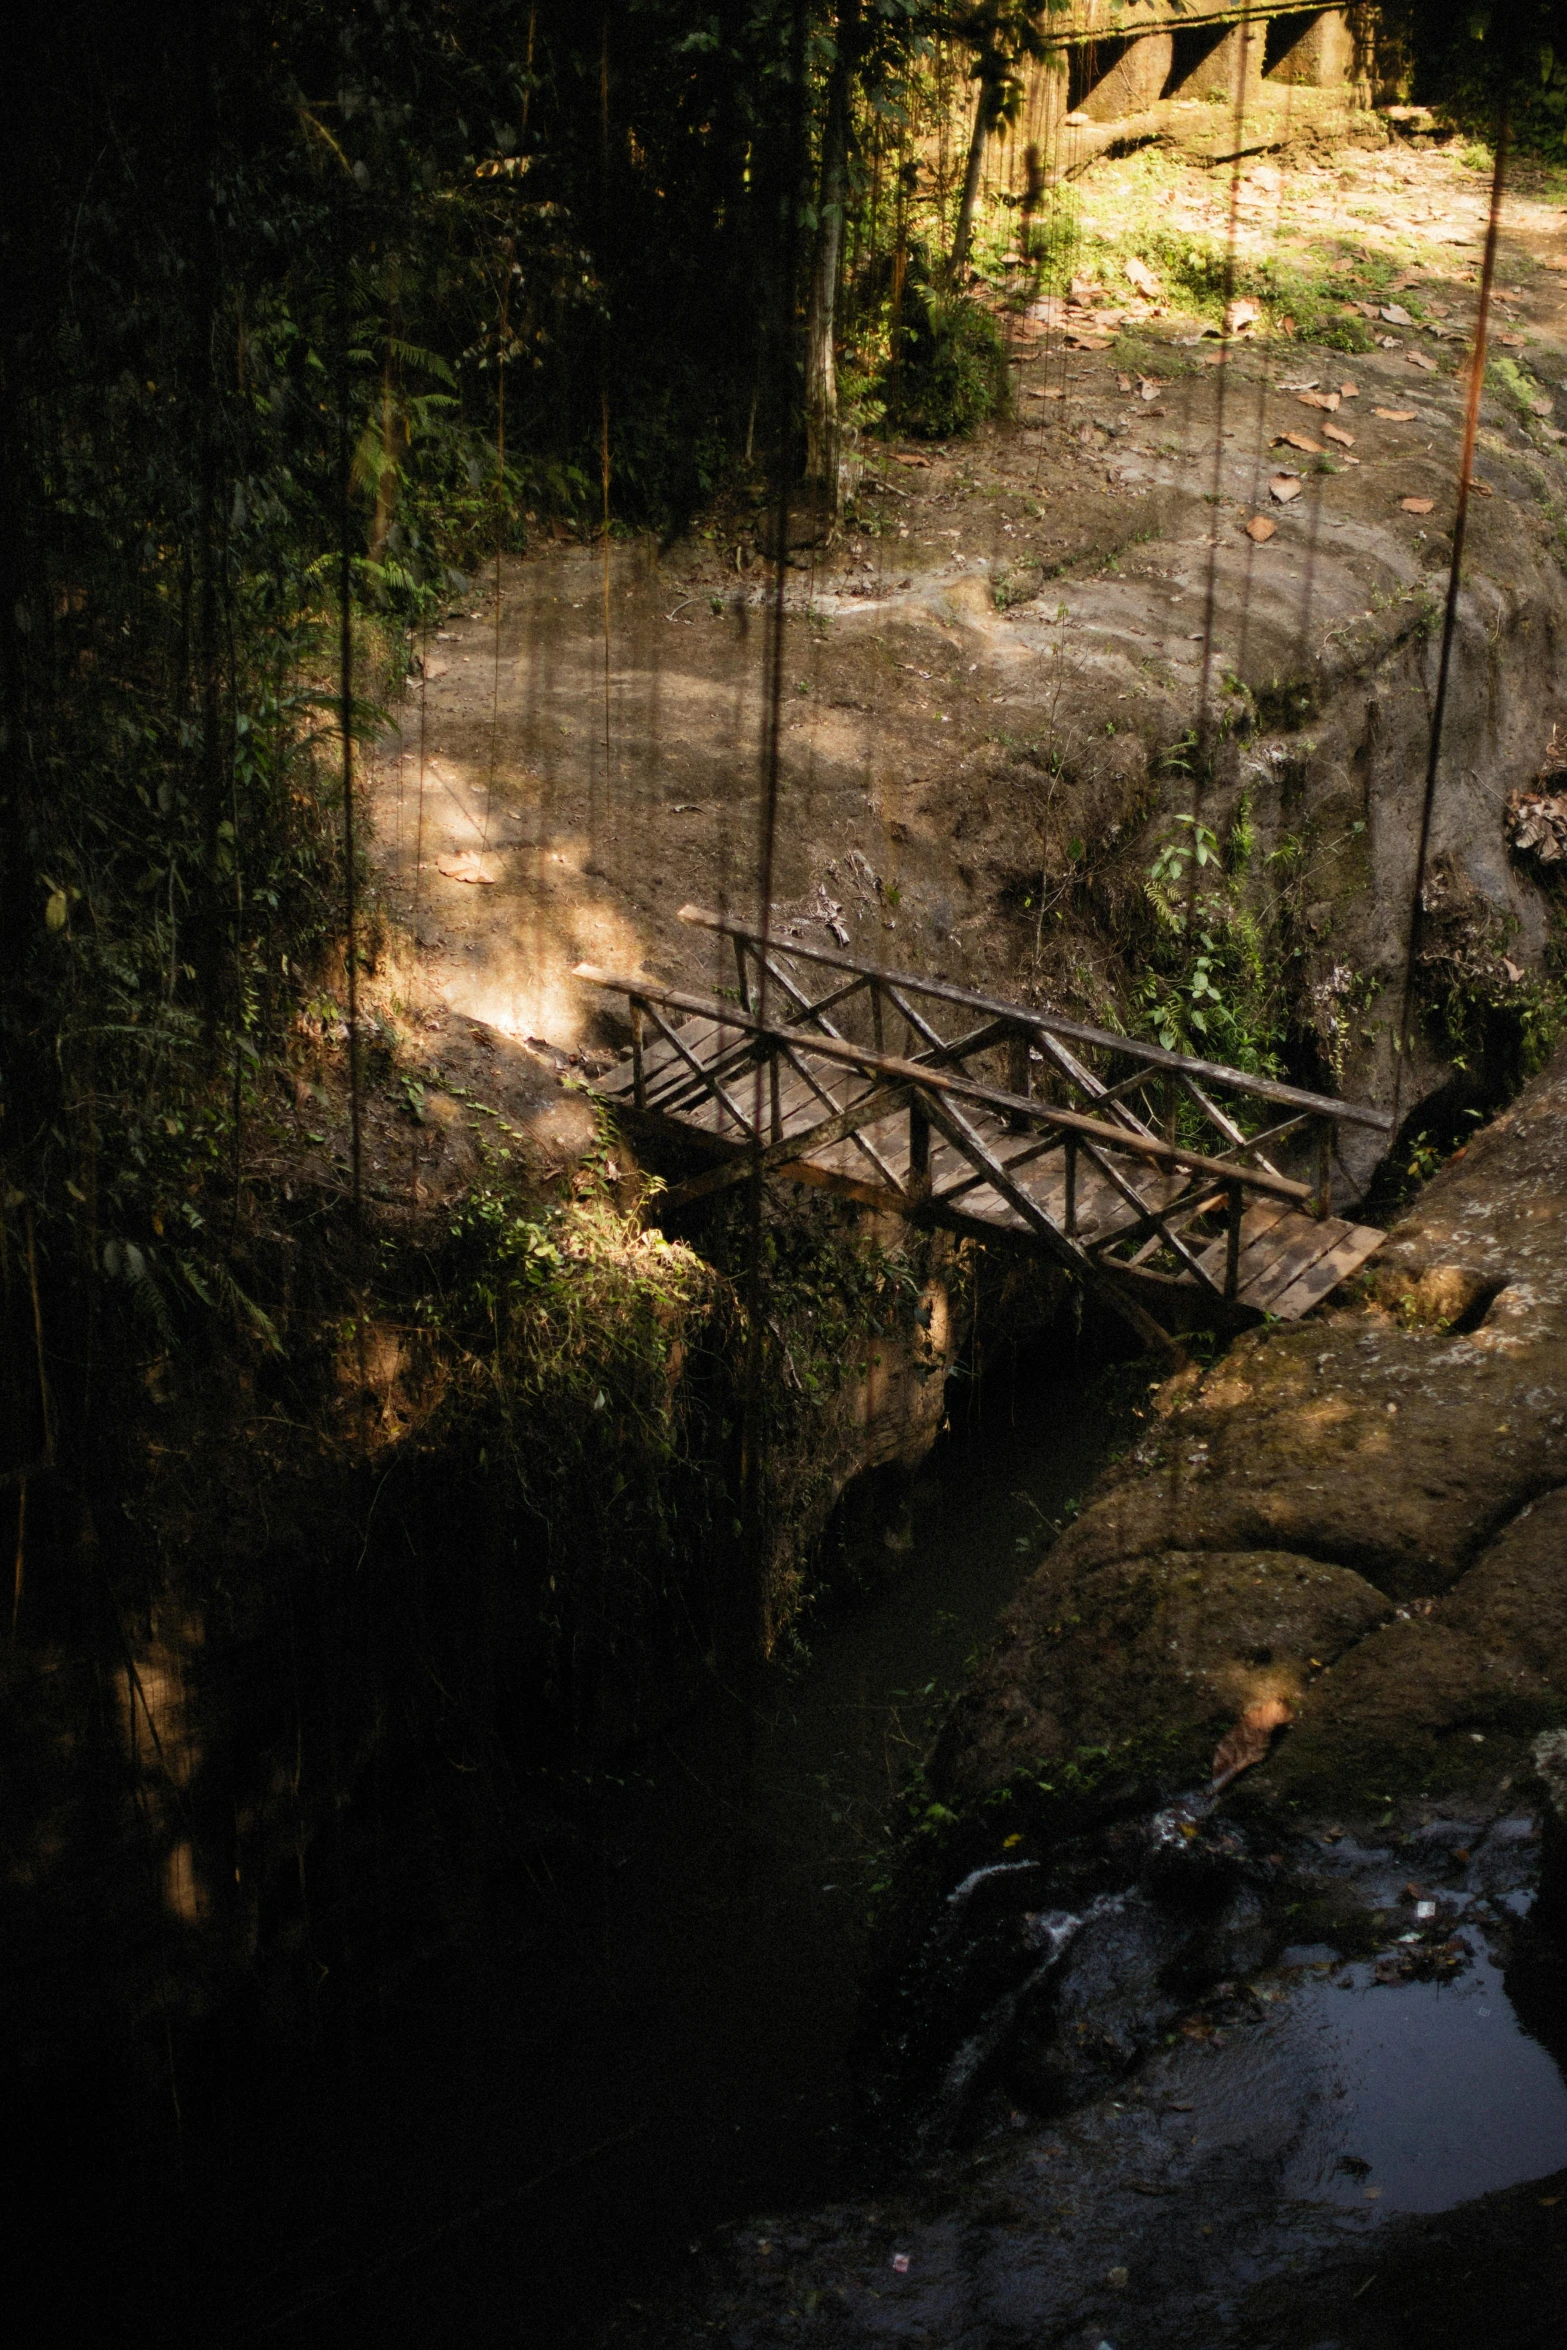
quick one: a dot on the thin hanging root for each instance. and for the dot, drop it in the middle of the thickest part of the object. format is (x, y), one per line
(21, 1533)
(346, 706)
(1402, 1040)
(604, 468)
(500, 533)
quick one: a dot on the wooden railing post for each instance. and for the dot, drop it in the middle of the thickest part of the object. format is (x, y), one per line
(1322, 1192)
(638, 1075)
(1019, 1074)
(919, 1148)
(1236, 1208)
(876, 1026)
(1071, 1185)
(745, 979)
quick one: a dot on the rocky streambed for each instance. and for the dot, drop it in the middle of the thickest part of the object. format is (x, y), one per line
(1275, 2064)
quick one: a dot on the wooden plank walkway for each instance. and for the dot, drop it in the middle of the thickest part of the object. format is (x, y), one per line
(926, 1130)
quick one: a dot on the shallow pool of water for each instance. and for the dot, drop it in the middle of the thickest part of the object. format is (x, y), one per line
(1424, 2094)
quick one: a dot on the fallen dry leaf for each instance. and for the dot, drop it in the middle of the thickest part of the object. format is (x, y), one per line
(1149, 386)
(1261, 529)
(1417, 505)
(1395, 314)
(1250, 1739)
(1349, 391)
(1284, 486)
(1328, 400)
(1142, 277)
(1513, 342)
(1419, 359)
(1396, 415)
(1238, 316)
(899, 458)
(1299, 440)
(470, 866)
(1482, 489)
(1336, 432)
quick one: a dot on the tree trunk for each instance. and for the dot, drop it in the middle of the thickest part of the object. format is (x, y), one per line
(984, 120)
(821, 317)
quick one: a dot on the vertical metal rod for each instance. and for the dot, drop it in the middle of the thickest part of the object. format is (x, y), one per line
(1232, 1246)
(638, 1076)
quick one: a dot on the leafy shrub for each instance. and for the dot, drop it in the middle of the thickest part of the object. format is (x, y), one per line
(949, 367)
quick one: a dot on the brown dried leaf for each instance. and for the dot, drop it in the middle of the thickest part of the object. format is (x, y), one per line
(1249, 1741)
(1419, 359)
(1142, 277)
(1335, 432)
(1284, 486)
(1417, 505)
(1261, 529)
(1482, 489)
(1396, 415)
(900, 458)
(1299, 440)
(1238, 316)
(1328, 400)
(469, 866)
(1349, 391)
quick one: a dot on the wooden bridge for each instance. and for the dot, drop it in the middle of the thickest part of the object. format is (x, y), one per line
(1153, 1175)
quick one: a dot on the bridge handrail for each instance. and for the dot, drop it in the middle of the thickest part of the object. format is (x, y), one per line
(1125, 1141)
(1268, 1089)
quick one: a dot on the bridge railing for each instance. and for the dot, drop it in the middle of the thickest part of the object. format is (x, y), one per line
(1150, 1092)
(749, 1070)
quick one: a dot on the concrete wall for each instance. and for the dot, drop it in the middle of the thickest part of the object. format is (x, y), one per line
(1234, 57)
(1322, 54)
(1134, 81)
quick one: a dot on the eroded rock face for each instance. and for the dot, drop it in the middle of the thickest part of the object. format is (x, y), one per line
(1365, 1516)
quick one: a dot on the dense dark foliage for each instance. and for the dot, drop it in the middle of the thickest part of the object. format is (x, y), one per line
(1472, 59)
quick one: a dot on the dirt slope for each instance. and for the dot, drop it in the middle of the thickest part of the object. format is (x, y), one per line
(984, 672)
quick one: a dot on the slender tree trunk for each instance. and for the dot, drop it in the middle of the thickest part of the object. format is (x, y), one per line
(821, 317)
(984, 122)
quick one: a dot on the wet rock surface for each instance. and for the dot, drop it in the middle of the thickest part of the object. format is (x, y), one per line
(1285, 2167)
(1364, 1515)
